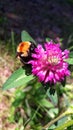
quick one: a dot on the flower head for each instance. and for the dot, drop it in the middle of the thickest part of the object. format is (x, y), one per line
(49, 64)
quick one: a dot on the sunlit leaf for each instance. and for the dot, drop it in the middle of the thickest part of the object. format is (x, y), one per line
(45, 103)
(53, 112)
(18, 78)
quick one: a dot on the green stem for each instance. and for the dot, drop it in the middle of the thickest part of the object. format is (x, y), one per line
(61, 102)
(60, 107)
(35, 112)
(13, 43)
(65, 125)
(34, 115)
(58, 97)
(66, 113)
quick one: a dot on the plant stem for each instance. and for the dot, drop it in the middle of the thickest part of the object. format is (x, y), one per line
(13, 43)
(66, 113)
(61, 114)
(65, 125)
(61, 102)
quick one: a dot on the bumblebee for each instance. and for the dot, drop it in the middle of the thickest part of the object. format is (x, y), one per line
(25, 50)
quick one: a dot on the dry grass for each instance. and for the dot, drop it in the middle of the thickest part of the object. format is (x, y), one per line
(7, 66)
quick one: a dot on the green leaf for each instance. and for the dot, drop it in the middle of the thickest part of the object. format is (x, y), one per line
(71, 54)
(61, 121)
(46, 103)
(69, 60)
(65, 125)
(47, 39)
(18, 78)
(71, 48)
(53, 112)
(26, 37)
(52, 127)
(53, 98)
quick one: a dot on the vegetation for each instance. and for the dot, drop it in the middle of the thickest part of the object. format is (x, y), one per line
(32, 105)
(25, 102)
